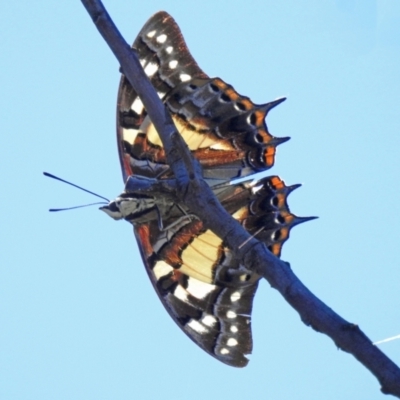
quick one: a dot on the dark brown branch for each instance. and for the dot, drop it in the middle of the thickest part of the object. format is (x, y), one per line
(196, 194)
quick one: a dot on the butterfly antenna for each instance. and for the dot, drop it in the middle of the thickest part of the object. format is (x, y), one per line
(72, 208)
(78, 187)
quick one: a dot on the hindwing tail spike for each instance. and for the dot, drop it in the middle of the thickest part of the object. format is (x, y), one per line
(301, 220)
(272, 104)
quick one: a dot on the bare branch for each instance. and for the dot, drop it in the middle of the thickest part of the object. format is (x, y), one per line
(196, 194)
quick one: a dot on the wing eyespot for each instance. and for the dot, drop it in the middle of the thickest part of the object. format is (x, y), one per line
(245, 277)
(275, 236)
(258, 138)
(280, 219)
(252, 119)
(240, 106)
(225, 98)
(275, 201)
(214, 88)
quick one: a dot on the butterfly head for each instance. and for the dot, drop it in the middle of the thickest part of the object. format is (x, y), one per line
(129, 207)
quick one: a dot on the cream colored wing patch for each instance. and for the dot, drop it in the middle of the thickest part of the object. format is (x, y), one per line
(195, 140)
(201, 256)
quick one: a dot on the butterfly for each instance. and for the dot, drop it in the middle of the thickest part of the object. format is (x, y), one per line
(201, 284)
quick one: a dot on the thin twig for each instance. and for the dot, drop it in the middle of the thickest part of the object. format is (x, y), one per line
(196, 194)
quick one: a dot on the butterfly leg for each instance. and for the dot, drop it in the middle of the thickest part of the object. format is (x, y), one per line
(178, 221)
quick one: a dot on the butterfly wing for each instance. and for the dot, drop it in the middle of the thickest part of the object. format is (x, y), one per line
(215, 316)
(207, 292)
(159, 46)
(201, 284)
(225, 131)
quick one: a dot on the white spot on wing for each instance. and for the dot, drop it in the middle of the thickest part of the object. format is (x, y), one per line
(151, 69)
(151, 34)
(235, 296)
(184, 77)
(237, 107)
(172, 64)
(198, 288)
(161, 269)
(221, 146)
(137, 106)
(129, 135)
(180, 293)
(232, 342)
(234, 329)
(209, 320)
(169, 49)
(197, 326)
(255, 189)
(224, 351)
(162, 38)
(231, 314)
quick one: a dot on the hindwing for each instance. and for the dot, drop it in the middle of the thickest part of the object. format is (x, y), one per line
(225, 131)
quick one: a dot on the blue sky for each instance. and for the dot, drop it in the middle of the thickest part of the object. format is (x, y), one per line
(79, 319)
